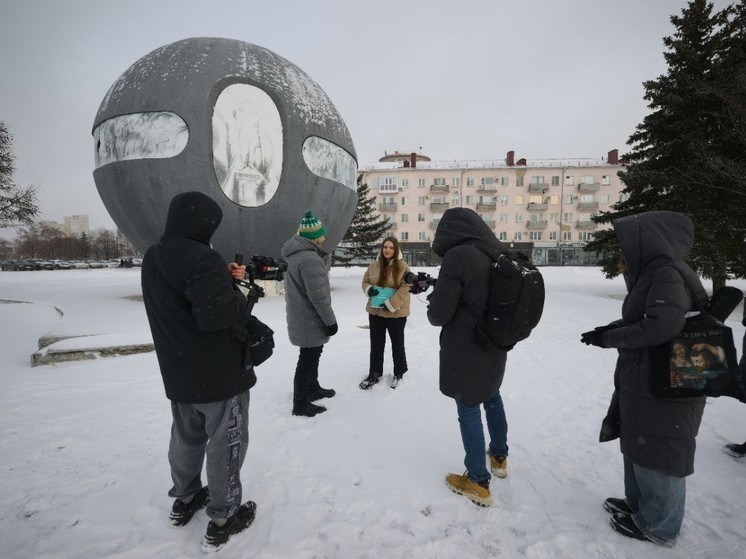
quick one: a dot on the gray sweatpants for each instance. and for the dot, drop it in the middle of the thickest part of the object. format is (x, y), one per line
(218, 431)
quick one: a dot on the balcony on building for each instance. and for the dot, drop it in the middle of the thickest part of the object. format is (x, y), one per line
(487, 188)
(538, 187)
(586, 224)
(386, 207)
(486, 206)
(439, 206)
(535, 207)
(536, 225)
(589, 186)
(587, 206)
(440, 188)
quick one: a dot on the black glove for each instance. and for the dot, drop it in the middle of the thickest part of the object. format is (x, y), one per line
(331, 329)
(593, 337)
(373, 291)
(409, 277)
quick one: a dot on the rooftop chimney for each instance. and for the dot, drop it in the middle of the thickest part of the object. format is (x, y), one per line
(613, 157)
(510, 158)
(413, 160)
(521, 162)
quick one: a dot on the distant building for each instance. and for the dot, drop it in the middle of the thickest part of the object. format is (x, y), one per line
(75, 225)
(543, 207)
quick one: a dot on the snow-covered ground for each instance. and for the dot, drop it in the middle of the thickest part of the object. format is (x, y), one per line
(83, 444)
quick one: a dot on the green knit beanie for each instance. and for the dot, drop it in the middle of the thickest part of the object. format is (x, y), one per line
(311, 227)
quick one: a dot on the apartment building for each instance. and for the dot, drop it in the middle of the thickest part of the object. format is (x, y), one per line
(543, 207)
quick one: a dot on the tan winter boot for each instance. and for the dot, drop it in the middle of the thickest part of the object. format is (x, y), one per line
(499, 466)
(479, 493)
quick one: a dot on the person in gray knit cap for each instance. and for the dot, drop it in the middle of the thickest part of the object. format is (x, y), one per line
(308, 306)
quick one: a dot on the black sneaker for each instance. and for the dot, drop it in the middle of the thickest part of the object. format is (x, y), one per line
(735, 450)
(624, 524)
(217, 536)
(368, 382)
(307, 409)
(320, 393)
(612, 505)
(182, 513)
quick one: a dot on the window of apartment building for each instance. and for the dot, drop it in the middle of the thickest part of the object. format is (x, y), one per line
(421, 200)
(456, 181)
(503, 200)
(587, 179)
(388, 184)
(569, 181)
(605, 198)
(519, 181)
(421, 218)
(519, 200)
(439, 182)
(554, 217)
(405, 218)
(567, 235)
(554, 200)
(555, 180)
(488, 181)
(456, 200)
(569, 199)
(553, 235)
(517, 236)
(389, 199)
(505, 181)
(534, 235)
(422, 236)
(584, 217)
(567, 217)
(519, 218)
(405, 183)
(404, 236)
(470, 200)
(403, 200)
(623, 196)
(537, 218)
(535, 199)
(437, 218)
(503, 218)
(439, 199)
(586, 198)
(605, 180)
(486, 199)
(503, 236)
(584, 235)
(487, 218)
(469, 181)
(421, 183)
(537, 180)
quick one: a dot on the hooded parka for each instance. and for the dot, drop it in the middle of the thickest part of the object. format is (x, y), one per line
(195, 312)
(468, 372)
(308, 300)
(656, 434)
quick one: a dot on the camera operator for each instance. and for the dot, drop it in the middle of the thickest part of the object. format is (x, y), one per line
(389, 314)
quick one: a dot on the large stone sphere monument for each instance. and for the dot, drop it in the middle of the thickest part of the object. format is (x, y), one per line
(235, 121)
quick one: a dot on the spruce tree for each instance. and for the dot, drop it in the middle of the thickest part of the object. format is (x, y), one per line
(685, 154)
(17, 205)
(366, 231)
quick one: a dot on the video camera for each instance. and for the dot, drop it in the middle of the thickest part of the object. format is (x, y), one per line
(265, 268)
(420, 282)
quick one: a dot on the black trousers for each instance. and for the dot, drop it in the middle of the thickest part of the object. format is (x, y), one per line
(306, 373)
(395, 328)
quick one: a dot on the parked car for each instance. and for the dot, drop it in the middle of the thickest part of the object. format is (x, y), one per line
(97, 264)
(79, 265)
(61, 265)
(40, 264)
(17, 265)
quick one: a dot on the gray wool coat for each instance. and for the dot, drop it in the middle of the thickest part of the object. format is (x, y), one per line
(468, 372)
(656, 434)
(308, 300)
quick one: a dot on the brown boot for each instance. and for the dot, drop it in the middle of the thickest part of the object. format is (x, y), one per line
(479, 493)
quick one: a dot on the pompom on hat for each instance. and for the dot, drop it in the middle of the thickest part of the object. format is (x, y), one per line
(310, 226)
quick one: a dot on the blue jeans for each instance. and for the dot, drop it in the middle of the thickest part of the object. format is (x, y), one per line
(472, 435)
(658, 499)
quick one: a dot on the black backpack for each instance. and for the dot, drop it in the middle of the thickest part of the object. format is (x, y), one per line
(514, 304)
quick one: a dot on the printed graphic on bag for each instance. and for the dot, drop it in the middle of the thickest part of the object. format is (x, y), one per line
(692, 365)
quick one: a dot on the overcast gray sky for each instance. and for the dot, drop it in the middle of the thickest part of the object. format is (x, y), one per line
(463, 79)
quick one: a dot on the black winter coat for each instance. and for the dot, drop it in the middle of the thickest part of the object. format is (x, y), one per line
(195, 312)
(656, 434)
(468, 372)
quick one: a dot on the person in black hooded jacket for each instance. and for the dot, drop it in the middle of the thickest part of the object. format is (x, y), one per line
(195, 314)
(469, 373)
(657, 436)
